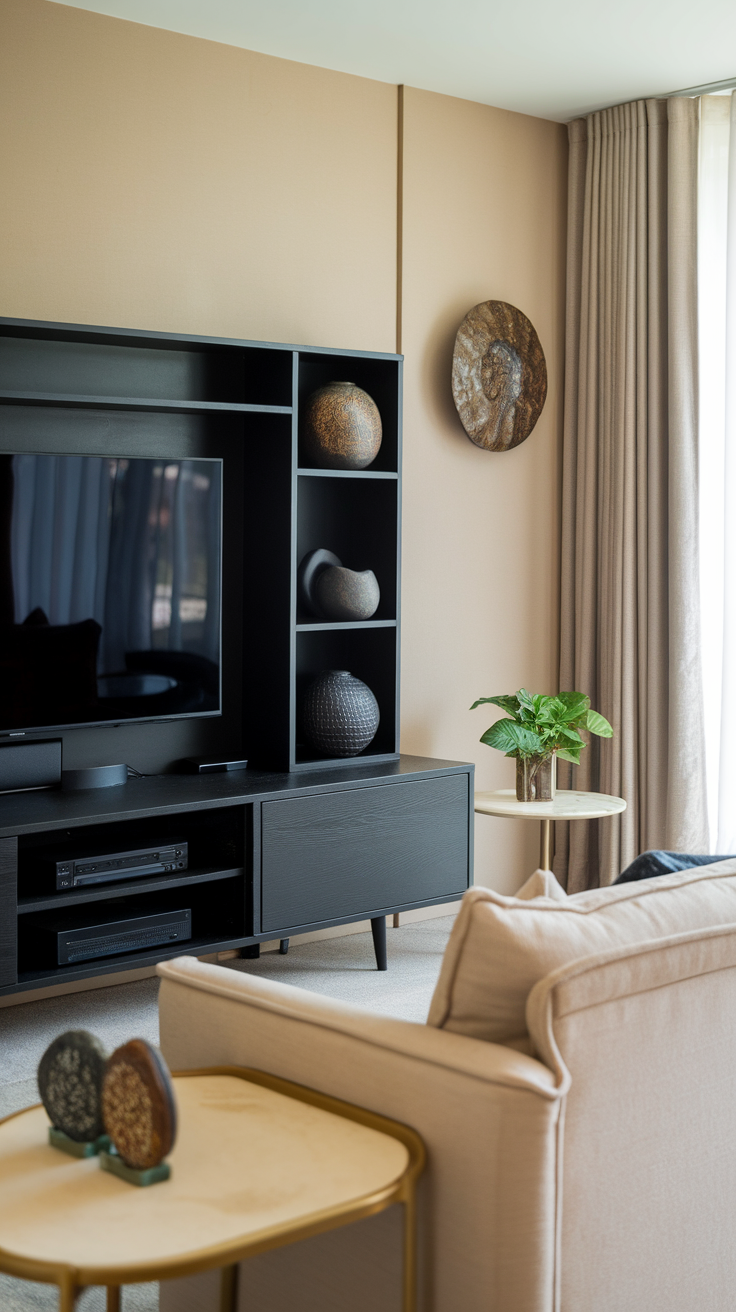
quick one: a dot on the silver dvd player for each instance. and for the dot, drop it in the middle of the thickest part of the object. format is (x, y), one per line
(76, 872)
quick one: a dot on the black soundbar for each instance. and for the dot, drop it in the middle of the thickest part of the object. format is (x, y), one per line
(75, 872)
(30, 765)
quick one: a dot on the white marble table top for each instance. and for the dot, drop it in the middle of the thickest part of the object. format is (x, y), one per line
(567, 805)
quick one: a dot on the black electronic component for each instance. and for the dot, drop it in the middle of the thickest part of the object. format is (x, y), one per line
(210, 765)
(94, 776)
(30, 765)
(74, 872)
(87, 938)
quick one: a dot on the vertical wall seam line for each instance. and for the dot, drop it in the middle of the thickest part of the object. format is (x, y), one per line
(399, 216)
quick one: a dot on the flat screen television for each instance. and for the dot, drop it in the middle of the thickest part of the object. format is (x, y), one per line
(110, 589)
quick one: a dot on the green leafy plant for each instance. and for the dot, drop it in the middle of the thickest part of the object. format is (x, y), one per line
(540, 725)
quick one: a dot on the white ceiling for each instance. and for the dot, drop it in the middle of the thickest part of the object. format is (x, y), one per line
(552, 58)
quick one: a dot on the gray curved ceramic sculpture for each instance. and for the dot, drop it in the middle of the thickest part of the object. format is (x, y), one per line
(342, 427)
(310, 568)
(499, 376)
(346, 594)
(340, 715)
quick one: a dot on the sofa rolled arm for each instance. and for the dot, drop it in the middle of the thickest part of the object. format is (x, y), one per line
(488, 1116)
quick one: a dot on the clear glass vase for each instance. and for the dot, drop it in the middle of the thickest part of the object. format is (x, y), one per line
(536, 778)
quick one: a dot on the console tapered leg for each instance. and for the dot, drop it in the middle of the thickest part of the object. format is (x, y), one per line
(378, 929)
(283, 946)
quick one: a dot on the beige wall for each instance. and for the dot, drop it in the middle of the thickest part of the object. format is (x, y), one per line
(152, 180)
(159, 181)
(484, 219)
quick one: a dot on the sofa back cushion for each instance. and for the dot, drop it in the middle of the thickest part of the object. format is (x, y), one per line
(501, 946)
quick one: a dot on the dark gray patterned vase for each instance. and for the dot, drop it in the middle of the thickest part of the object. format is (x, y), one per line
(340, 715)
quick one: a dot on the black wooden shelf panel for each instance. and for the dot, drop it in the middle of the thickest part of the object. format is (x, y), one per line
(307, 760)
(125, 888)
(75, 402)
(336, 625)
(347, 473)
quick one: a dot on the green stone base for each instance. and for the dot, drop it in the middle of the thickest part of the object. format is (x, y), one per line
(112, 1162)
(58, 1139)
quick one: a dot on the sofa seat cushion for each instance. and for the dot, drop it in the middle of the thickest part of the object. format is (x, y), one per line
(501, 946)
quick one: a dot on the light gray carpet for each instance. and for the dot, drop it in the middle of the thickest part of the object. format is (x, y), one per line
(345, 968)
(342, 968)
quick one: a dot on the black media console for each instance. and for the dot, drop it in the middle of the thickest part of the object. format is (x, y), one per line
(270, 855)
(301, 842)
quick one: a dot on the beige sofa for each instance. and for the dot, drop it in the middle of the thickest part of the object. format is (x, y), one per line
(575, 1088)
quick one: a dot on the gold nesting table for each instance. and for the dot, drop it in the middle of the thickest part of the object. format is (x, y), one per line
(258, 1163)
(567, 805)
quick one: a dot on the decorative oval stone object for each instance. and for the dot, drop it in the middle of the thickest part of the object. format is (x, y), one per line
(340, 715)
(499, 376)
(342, 427)
(70, 1076)
(138, 1105)
(346, 594)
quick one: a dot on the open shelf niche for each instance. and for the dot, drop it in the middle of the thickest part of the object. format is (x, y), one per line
(356, 514)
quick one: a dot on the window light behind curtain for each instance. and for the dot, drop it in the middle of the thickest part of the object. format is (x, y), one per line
(717, 350)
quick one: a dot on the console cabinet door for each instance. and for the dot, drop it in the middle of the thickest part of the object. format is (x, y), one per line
(362, 851)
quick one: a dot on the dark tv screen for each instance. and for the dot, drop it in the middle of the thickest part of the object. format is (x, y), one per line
(109, 589)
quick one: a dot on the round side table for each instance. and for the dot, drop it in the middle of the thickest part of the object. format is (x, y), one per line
(567, 805)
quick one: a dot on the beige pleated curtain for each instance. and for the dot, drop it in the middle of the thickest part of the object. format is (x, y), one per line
(630, 628)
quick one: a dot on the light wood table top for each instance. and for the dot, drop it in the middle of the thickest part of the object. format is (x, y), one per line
(253, 1167)
(567, 805)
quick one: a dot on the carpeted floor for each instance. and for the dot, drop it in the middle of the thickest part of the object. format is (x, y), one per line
(342, 968)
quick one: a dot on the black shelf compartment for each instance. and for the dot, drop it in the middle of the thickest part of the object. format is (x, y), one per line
(356, 519)
(87, 362)
(218, 916)
(379, 377)
(217, 838)
(371, 655)
(167, 436)
(47, 977)
(104, 892)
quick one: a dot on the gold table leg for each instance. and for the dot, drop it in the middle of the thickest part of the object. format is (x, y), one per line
(67, 1295)
(545, 850)
(409, 1301)
(113, 1298)
(229, 1289)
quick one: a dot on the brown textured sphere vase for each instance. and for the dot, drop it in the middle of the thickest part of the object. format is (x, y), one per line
(342, 427)
(340, 714)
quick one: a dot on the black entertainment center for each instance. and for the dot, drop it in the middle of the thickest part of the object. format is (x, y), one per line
(298, 841)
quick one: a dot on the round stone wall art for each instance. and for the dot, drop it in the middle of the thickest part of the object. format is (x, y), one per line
(499, 376)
